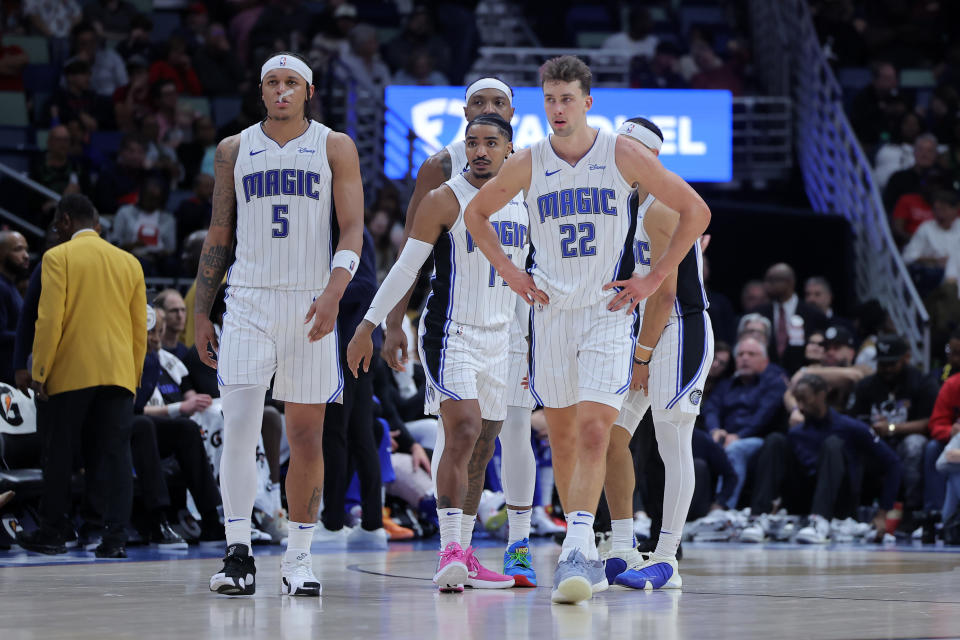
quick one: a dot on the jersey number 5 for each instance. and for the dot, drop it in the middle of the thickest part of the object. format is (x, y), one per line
(280, 218)
(568, 240)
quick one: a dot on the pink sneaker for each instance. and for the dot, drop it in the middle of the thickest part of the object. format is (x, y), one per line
(479, 577)
(452, 569)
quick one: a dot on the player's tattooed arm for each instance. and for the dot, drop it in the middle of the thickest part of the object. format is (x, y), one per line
(218, 247)
(482, 452)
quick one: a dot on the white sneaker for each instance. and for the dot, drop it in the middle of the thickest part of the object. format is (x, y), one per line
(641, 525)
(360, 538)
(753, 533)
(817, 531)
(330, 539)
(541, 523)
(616, 562)
(297, 577)
(492, 510)
(260, 537)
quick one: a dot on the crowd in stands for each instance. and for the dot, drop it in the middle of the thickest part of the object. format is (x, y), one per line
(804, 410)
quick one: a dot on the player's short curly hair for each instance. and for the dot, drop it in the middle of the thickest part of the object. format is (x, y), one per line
(567, 69)
(493, 120)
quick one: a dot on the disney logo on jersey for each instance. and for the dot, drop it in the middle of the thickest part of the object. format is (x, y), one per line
(578, 201)
(597, 167)
(305, 150)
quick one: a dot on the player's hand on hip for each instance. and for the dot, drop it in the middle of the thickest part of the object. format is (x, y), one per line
(633, 290)
(523, 285)
(206, 340)
(323, 311)
(641, 378)
(360, 349)
(394, 350)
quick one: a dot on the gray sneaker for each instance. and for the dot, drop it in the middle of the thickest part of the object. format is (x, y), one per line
(598, 576)
(574, 579)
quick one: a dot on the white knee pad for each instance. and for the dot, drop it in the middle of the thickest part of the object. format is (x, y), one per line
(242, 421)
(518, 465)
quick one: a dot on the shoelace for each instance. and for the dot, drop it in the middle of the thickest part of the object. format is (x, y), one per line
(447, 553)
(521, 559)
(471, 560)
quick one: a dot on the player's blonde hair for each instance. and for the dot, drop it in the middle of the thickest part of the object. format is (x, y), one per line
(567, 69)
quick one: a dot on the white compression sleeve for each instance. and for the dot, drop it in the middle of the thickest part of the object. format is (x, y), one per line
(518, 466)
(242, 422)
(401, 277)
(674, 431)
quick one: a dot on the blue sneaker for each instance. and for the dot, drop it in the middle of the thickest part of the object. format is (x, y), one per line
(574, 579)
(616, 562)
(653, 574)
(516, 563)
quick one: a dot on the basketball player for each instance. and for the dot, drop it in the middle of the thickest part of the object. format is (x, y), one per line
(485, 96)
(464, 340)
(274, 185)
(577, 183)
(671, 361)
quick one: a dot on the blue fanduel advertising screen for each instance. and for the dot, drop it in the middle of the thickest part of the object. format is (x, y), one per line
(696, 124)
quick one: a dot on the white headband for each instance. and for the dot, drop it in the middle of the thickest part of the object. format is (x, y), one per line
(641, 134)
(490, 83)
(287, 62)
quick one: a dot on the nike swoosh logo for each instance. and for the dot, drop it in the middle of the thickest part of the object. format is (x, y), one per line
(582, 514)
(309, 526)
(253, 153)
(550, 173)
(575, 522)
(235, 519)
(451, 513)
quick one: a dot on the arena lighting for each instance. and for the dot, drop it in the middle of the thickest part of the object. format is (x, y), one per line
(696, 124)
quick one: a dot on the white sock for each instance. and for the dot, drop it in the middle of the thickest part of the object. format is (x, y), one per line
(518, 524)
(242, 420)
(449, 525)
(299, 537)
(674, 431)
(579, 536)
(238, 531)
(623, 535)
(467, 524)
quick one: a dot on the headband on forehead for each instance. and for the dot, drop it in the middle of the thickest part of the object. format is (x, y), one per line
(490, 83)
(284, 61)
(641, 134)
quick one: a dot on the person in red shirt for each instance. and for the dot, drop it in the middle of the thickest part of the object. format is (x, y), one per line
(12, 61)
(911, 210)
(944, 424)
(176, 66)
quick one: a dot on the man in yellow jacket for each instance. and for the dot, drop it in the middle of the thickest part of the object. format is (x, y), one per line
(88, 355)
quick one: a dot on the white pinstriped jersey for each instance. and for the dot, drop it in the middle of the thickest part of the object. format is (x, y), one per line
(284, 211)
(641, 247)
(458, 157)
(465, 289)
(691, 294)
(580, 222)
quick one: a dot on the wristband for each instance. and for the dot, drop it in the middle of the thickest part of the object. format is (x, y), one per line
(642, 363)
(643, 346)
(345, 259)
(173, 410)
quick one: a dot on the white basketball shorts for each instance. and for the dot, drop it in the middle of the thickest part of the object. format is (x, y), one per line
(518, 365)
(465, 362)
(264, 335)
(578, 355)
(678, 371)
